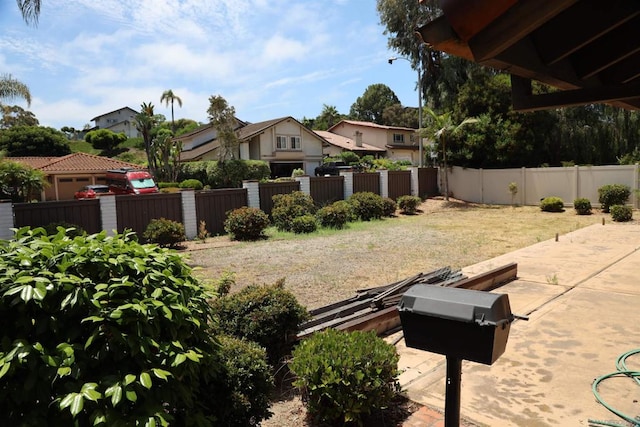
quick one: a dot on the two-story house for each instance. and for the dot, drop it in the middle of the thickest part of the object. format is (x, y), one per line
(283, 142)
(400, 143)
(118, 121)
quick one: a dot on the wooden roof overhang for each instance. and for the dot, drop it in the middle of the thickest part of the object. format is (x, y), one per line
(588, 49)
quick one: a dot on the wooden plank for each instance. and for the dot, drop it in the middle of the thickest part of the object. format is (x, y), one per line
(381, 321)
(491, 279)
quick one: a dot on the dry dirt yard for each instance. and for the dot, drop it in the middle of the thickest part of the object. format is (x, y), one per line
(329, 266)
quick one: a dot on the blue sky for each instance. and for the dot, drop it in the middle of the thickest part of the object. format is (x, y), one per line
(267, 58)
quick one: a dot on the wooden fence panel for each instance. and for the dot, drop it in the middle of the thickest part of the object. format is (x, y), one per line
(83, 213)
(135, 212)
(366, 181)
(399, 184)
(326, 189)
(212, 207)
(269, 189)
(428, 182)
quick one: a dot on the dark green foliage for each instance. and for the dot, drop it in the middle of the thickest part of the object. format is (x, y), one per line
(72, 230)
(23, 141)
(287, 207)
(552, 204)
(366, 205)
(20, 182)
(247, 385)
(266, 314)
(105, 139)
(582, 206)
(165, 232)
(191, 183)
(345, 375)
(335, 215)
(409, 204)
(621, 213)
(389, 207)
(230, 174)
(104, 331)
(162, 185)
(246, 223)
(304, 224)
(613, 194)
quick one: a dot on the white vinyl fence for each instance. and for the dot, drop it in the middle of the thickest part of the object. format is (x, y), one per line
(491, 186)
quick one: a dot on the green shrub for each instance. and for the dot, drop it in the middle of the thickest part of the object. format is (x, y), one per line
(266, 314)
(409, 204)
(621, 213)
(335, 215)
(345, 375)
(191, 183)
(552, 204)
(104, 330)
(165, 232)
(613, 194)
(71, 230)
(247, 385)
(228, 174)
(582, 206)
(246, 223)
(304, 224)
(162, 185)
(389, 207)
(366, 205)
(287, 207)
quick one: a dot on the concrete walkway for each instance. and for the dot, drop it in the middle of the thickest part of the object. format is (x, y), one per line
(582, 294)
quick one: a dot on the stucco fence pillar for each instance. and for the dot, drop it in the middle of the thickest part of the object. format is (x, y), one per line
(347, 183)
(384, 182)
(253, 193)
(305, 184)
(6, 219)
(189, 216)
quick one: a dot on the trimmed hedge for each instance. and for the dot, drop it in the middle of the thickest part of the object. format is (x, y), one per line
(552, 204)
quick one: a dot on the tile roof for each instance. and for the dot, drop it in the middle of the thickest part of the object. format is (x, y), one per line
(346, 143)
(118, 109)
(371, 125)
(76, 162)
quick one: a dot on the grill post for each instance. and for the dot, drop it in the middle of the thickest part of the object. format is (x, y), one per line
(452, 398)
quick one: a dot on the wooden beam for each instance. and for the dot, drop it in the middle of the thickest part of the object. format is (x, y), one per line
(571, 98)
(515, 24)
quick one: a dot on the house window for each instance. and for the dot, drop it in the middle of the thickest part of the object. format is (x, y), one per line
(281, 142)
(295, 142)
(398, 138)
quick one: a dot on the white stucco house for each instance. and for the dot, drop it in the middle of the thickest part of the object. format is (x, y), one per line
(118, 121)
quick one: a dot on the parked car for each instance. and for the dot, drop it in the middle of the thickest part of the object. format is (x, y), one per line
(131, 181)
(92, 191)
(332, 168)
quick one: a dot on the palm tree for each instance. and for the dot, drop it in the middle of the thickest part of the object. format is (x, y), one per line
(30, 10)
(144, 122)
(169, 97)
(11, 88)
(442, 127)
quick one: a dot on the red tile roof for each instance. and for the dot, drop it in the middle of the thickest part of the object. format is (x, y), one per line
(73, 163)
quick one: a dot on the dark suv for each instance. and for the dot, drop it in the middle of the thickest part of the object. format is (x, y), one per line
(332, 168)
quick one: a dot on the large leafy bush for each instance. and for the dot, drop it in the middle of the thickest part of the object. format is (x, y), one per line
(621, 213)
(582, 206)
(335, 215)
(366, 205)
(227, 174)
(103, 331)
(165, 232)
(613, 194)
(345, 375)
(246, 223)
(287, 207)
(409, 204)
(552, 204)
(266, 314)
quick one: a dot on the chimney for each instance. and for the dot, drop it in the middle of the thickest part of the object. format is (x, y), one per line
(358, 138)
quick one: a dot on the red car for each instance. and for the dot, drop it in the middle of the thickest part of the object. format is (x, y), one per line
(92, 191)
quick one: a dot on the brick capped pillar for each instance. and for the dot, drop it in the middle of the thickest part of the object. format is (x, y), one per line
(253, 193)
(189, 217)
(108, 214)
(305, 184)
(384, 182)
(348, 183)
(415, 182)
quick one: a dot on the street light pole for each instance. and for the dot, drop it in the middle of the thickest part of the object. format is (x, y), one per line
(421, 162)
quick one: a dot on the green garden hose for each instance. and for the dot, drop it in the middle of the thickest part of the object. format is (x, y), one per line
(621, 367)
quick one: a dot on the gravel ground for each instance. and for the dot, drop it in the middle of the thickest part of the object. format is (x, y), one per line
(326, 267)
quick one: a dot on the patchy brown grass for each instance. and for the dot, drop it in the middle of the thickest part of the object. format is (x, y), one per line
(329, 266)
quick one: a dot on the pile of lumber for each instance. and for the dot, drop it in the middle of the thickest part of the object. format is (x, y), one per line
(376, 308)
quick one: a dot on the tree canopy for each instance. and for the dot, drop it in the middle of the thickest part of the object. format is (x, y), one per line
(21, 141)
(14, 115)
(223, 118)
(370, 106)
